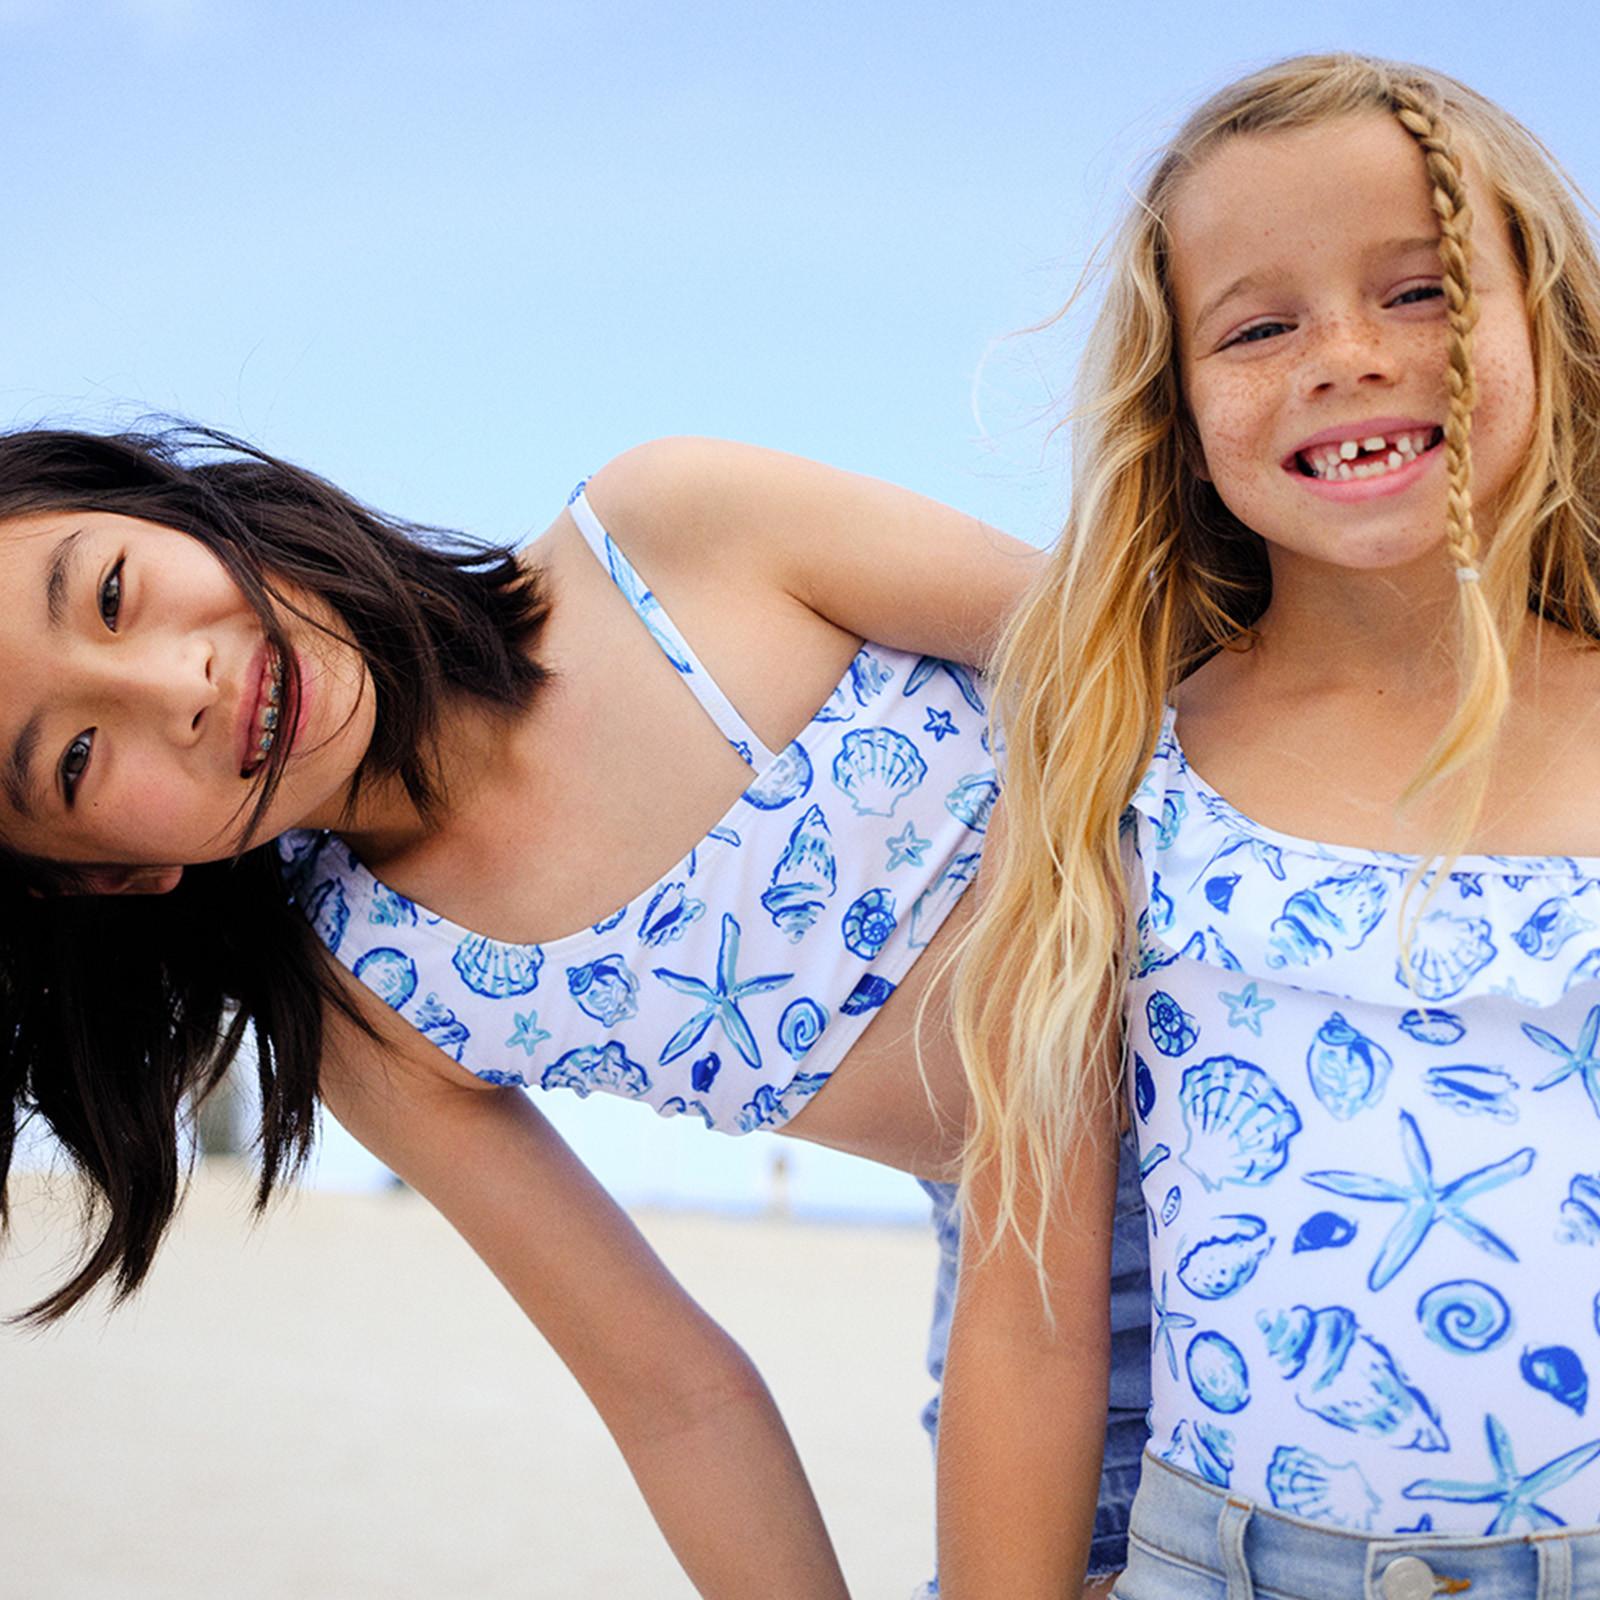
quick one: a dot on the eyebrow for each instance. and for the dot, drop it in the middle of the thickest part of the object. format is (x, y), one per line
(17, 777)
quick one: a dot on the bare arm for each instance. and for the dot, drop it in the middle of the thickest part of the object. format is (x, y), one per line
(692, 1417)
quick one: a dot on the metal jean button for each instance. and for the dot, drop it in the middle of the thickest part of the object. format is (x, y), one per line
(1407, 1578)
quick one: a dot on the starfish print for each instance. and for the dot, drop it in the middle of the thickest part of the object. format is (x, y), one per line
(529, 1034)
(720, 1002)
(940, 724)
(1246, 1008)
(1166, 1321)
(906, 846)
(1516, 1496)
(1425, 1202)
(1580, 1059)
(928, 665)
(1468, 884)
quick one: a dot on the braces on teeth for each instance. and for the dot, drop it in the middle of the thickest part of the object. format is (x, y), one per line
(1339, 462)
(269, 712)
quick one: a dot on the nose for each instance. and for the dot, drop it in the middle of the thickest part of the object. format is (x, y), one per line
(165, 682)
(1348, 351)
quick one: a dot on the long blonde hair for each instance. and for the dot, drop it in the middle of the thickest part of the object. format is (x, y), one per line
(1153, 574)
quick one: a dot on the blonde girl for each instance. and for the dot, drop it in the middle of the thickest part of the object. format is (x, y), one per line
(1333, 547)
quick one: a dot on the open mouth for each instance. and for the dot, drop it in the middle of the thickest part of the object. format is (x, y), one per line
(268, 711)
(1371, 457)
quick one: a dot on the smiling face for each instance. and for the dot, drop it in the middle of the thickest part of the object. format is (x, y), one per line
(1312, 338)
(139, 689)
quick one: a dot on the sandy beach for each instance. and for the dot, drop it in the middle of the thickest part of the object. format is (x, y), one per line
(341, 1404)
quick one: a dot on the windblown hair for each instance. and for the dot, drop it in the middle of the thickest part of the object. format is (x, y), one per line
(119, 1013)
(1154, 574)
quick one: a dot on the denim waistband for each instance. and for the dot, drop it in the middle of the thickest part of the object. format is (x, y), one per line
(1189, 1541)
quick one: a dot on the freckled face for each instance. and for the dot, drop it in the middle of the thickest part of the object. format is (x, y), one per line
(137, 687)
(1311, 331)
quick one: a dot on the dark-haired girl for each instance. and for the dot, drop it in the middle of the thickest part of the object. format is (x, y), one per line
(636, 810)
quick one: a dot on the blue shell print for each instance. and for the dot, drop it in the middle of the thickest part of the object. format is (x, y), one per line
(1338, 911)
(1239, 1122)
(1347, 1069)
(960, 676)
(876, 768)
(496, 970)
(801, 1026)
(607, 1067)
(1347, 1378)
(1304, 1485)
(1172, 1030)
(671, 912)
(328, 913)
(869, 923)
(1144, 1088)
(1580, 1211)
(440, 1026)
(1217, 1373)
(972, 800)
(1465, 1316)
(1474, 1091)
(605, 990)
(769, 1107)
(931, 907)
(1327, 1230)
(1557, 1371)
(390, 974)
(1447, 952)
(1429, 1025)
(869, 993)
(1203, 1449)
(1222, 1263)
(784, 782)
(804, 878)
(1549, 926)
(391, 910)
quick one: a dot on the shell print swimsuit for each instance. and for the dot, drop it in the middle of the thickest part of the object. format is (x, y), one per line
(732, 987)
(1372, 1170)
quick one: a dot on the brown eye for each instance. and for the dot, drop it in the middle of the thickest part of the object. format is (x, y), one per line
(75, 762)
(111, 596)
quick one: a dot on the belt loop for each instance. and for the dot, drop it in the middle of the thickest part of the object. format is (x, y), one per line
(1231, 1523)
(1555, 1567)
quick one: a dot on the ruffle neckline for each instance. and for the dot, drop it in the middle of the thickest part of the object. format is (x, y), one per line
(1226, 890)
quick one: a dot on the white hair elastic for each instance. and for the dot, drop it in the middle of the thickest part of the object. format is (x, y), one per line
(1466, 574)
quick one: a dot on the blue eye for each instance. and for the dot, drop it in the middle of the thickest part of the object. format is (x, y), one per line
(75, 762)
(1256, 334)
(110, 598)
(1423, 291)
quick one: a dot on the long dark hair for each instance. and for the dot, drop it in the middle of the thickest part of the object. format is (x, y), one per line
(119, 1013)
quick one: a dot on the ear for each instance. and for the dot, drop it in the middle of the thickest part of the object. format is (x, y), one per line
(1194, 456)
(131, 880)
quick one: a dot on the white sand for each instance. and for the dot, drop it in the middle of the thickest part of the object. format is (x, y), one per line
(343, 1405)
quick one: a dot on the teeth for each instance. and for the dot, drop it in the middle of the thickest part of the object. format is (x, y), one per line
(1349, 450)
(269, 718)
(1338, 462)
(1373, 445)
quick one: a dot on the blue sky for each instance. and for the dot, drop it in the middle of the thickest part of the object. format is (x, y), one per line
(457, 255)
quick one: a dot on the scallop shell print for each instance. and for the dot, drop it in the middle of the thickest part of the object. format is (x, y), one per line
(1549, 926)
(783, 782)
(1304, 1485)
(1336, 912)
(1347, 1069)
(801, 1026)
(390, 974)
(1580, 1211)
(804, 878)
(876, 768)
(1239, 1122)
(491, 968)
(931, 907)
(607, 1066)
(869, 922)
(1221, 1264)
(972, 800)
(605, 990)
(1348, 1379)
(1201, 1448)
(328, 914)
(1447, 953)
(389, 909)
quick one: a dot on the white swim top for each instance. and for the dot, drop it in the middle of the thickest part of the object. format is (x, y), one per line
(1374, 1204)
(734, 985)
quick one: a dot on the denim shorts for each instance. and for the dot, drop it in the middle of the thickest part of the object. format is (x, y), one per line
(1126, 1430)
(1190, 1541)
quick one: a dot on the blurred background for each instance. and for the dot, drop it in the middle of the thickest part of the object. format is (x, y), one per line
(454, 256)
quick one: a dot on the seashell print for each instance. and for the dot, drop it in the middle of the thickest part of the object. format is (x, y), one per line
(932, 906)
(1223, 1263)
(1549, 926)
(836, 708)
(1474, 1091)
(499, 1078)
(671, 911)
(972, 799)
(1152, 1158)
(1239, 1122)
(1209, 948)
(1160, 907)
(606, 1067)
(298, 845)
(1203, 1449)
(1172, 1030)
(677, 1106)
(1429, 1025)
(1465, 1316)
(606, 924)
(1580, 1211)
(801, 1026)
(868, 995)
(328, 914)
(1348, 1070)
(1586, 971)
(389, 974)
(771, 1108)
(788, 777)
(1558, 1371)
(868, 923)
(962, 677)
(1336, 912)
(1304, 1485)
(1174, 808)
(491, 968)
(1219, 890)
(391, 910)
(1217, 1373)
(1171, 1204)
(869, 676)
(804, 878)
(1447, 953)
(875, 769)
(605, 990)
(1327, 1230)
(704, 1072)
(440, 1026)
(1348, 1379)
(1144, 1088)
